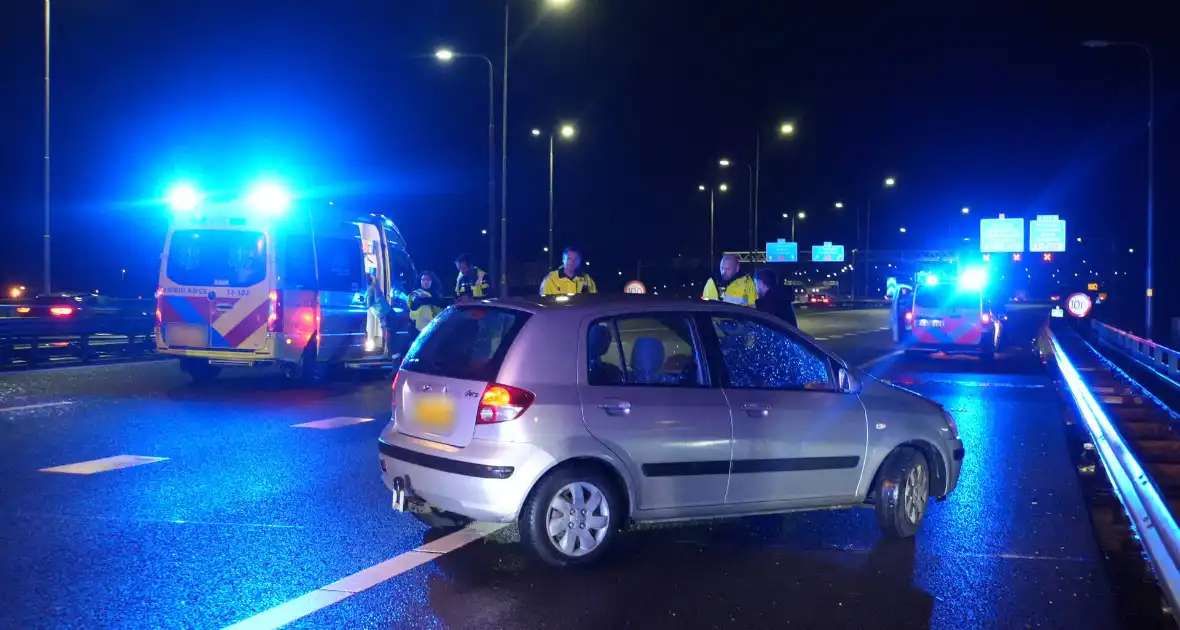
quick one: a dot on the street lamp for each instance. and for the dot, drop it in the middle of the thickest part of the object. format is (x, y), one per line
(966, 210)
(802, 215)
(555, 4)
(567, 132)
(713, 213)
(890, 182)
(1098, 43)
(750, 202)
(902, 230)
(785, 129)
(839, 205)
(447, 55)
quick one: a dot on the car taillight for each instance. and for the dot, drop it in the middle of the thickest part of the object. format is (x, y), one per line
(159, 301)
(274, 319)
(61, 311)
(23, 310)
(396, 376)
(909, 316)
(501, 403)
(985, 318)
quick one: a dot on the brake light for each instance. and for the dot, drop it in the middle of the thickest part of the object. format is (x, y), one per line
(985, 318)
(396, 376)
(909, 316)
(61, 311)
(501, 403)
(274, 319)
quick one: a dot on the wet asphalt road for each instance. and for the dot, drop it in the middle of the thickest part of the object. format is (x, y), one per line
(248, 512)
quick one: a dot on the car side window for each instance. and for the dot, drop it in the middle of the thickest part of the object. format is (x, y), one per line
(757, 356)
(650, 350)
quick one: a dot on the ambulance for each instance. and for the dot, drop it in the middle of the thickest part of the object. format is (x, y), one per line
(263, 281)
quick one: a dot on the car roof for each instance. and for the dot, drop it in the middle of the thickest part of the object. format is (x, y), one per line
(588, 304)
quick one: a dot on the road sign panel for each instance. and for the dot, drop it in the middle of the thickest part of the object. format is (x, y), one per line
(636, 287)
(827, 252)
(1079, 304)
(1001, 235)
(1046, 234)
(782, 251)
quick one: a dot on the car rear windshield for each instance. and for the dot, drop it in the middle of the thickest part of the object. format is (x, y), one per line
(946, 297)
(217, 258)
(465, 343)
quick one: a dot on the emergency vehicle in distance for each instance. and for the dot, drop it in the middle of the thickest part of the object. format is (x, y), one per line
(259, 281)
(952, 315)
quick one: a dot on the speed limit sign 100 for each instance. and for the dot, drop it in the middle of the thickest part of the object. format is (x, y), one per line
(1079, 305)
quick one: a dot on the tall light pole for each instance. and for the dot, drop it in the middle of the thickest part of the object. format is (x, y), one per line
(802, 215)
(560, 4)
(784, 129)
(1098, 43)
(46, 243)
(750, 169)
(447, 55)
(567, 132)
(713, 215)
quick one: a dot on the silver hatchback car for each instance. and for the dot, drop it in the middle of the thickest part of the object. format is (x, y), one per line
(574, 416)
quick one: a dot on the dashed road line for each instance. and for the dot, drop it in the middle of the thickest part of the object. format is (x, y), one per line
(103, 465)
(344, 588)
(333, 423)
(59, 403)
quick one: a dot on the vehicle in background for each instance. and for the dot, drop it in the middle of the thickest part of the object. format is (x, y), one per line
(76, 305)
(253, 284)
(555, 413)
(819, 299)
(953, 316)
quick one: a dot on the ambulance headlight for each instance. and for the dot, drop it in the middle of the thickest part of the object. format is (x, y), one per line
(268, 198)
(184, 198)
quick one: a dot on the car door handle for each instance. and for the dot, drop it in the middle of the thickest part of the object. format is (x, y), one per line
(756, 410)
(619, 408)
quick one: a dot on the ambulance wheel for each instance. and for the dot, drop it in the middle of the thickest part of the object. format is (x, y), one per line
(199, 370)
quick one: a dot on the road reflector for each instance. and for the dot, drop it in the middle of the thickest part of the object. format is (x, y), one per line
(103, 465)
(333, 423)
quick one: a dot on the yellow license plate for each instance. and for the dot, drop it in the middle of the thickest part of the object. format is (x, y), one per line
(436, 412)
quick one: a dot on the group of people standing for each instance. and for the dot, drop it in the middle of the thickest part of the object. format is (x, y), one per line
(762, 291)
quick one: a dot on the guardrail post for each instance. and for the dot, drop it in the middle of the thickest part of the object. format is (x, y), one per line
(84, 347)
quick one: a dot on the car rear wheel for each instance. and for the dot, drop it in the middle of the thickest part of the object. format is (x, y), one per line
(572, 517)
(902, 493)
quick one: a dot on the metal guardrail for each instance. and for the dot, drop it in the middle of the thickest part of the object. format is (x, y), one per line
(32, 336)
(1144, 503)
(1163, 360)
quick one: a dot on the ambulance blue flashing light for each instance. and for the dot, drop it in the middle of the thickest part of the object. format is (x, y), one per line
(184, 198)
(973, 279)
(268, 198)
(931, 280)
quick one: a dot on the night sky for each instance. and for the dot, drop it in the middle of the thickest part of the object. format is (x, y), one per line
(994, 106)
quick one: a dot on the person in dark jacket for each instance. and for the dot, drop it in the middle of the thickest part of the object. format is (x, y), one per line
(774, 298)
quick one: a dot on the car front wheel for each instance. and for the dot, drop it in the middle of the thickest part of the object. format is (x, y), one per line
(902, 493)
(572, 517)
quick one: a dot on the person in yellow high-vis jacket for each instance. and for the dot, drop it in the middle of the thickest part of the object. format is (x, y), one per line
(568, 279)
(473, 282)
(425, 302)
(731, 285)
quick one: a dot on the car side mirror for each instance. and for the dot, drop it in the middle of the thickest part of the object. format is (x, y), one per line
(849, 384)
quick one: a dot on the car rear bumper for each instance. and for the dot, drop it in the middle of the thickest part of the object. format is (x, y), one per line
(484, 481)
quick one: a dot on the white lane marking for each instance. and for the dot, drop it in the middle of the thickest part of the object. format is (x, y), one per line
(835, 336)
(342, 589)
(36, 406)
(871, 362)
(333, 423)
(821, 338)
(103, 465)
(155, 521)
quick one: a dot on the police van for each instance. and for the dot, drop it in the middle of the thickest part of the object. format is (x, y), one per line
(952, 315)
(260, 282)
